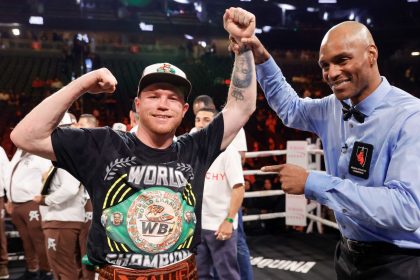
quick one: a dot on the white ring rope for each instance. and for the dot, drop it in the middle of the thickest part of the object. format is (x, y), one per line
(263, 193)
(312, 207)
(279, 153)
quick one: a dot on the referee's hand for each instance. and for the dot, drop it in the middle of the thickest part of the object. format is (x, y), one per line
(292, 177)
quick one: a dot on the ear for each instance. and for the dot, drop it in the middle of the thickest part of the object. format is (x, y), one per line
(185, 109)
(373, 54)
(137, 103)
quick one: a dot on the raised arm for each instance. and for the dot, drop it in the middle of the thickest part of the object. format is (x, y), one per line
(33, 133)
(242, 94)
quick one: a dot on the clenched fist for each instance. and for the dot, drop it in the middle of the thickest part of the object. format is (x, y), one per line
(239, 23)
(98, 81)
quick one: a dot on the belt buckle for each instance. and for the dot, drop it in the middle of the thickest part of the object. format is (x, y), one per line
(353, 246)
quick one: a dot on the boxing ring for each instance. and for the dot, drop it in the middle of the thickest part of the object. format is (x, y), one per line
(303, 150)
(293, 255)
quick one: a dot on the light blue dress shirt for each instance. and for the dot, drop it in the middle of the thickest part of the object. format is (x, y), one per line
(385, 206)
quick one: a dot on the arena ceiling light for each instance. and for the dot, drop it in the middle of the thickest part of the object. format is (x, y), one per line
(415, 53)
(203, 44)
(146, 27)
(286, 7)
(198, 7)
(16, 31)
(182, 1)
(188, 37)
(9, 24)
(266, 28)
(327, 1)
(312, 9)
(37, 20)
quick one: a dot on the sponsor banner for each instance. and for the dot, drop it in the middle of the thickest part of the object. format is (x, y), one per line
(295, 210)
(296, 204)
(289, 265)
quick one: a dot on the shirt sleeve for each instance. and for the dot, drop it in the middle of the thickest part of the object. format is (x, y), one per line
(207, 141)
(239, 142)
(304, 114)
(394, 205)
(36, 169)
(233, 167)
(78, 150)
(4, 167)
(68, 188)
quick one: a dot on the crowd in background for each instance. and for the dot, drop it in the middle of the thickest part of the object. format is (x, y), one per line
(264, 130)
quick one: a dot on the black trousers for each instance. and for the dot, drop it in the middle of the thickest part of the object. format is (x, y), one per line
(376, 264)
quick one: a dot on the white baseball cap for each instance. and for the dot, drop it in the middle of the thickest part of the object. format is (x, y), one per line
(165, 73)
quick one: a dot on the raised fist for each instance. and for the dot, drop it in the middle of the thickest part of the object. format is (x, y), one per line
(98, 81)
(239, 23)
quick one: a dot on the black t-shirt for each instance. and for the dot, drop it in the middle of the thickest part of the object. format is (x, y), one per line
(146, 202)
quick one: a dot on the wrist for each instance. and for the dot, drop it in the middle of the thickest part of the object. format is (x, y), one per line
(243, 48)
(229, 220)
(261, 57)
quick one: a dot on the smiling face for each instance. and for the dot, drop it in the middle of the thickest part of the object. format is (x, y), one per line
(161, 107)
(347, 58)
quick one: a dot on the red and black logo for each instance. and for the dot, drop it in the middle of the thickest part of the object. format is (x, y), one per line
(360, 159)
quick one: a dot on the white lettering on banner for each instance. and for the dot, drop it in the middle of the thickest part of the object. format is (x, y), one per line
(295, 266)
(157, 176)
(152, 261)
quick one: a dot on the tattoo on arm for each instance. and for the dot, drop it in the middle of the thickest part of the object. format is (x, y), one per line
(237, 94)
(242, 75)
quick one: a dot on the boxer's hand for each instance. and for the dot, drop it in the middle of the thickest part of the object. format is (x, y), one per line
(239, 23)
(98, 81)
(292, 177)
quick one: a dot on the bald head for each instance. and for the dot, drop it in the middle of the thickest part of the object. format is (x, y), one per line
(87, 121)
(349, 30)
(348, 59)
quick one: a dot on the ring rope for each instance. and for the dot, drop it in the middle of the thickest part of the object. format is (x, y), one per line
(310, 208)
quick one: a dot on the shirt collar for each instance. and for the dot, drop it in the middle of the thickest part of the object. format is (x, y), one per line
(370, 103)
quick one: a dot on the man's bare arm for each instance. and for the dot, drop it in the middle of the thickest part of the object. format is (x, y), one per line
(226, 228)
(33, 133)
(242, 94)
(241, 101)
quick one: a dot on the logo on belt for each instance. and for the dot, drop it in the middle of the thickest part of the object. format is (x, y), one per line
(156, 220)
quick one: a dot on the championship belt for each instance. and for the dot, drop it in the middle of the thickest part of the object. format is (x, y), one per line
(151, 221)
